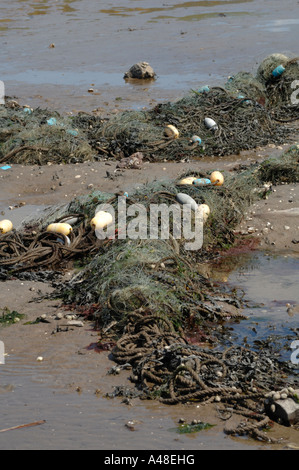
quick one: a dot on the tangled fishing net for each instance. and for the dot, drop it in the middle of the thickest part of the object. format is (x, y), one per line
(150, 299)
(250, 111)
(39, 136)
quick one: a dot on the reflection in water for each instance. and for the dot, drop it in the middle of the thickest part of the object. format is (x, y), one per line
(42, 7)
(125, 11)
(270, 286)
(202, 16)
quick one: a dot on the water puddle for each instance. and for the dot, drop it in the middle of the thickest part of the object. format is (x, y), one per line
(270, 291)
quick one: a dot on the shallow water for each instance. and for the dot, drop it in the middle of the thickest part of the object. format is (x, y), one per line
(268, 284)
(188, 44)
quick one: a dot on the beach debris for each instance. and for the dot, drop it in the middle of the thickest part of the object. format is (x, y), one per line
(63, 228)
(201, 181)
(210, 124)
(183, 198)
(52, 121)
(77, 323)
(269, 64)
(187, 180)
(141, 70)
(195, 139)
(101, 220)
(283, 406)
(204, 89)
(65, 240)
(171, 131)
(36, 423)
(73, 132)
(5, 167)
(278, 71)
(133, 162)
(204, 208)
(5, 226)
(217, 178)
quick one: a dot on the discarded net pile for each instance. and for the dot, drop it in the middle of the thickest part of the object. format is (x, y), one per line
(236, 379)
(250, 111)
(281, 170)
(30, 250)
(39, 136)
(274, 86)
(150, 298)
(241, 126)
(246, 110)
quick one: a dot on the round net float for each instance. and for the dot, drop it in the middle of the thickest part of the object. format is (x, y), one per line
(171, 131)
(204, 208)
(196, 139)
(278, 71)
(65, 241)
(269, 64)
(204, 89)
(64, 229)
(183, 198)
(201, 181)
(101, 220)
(5, 226)
(187, 180)
(217, 178)
(210, 124)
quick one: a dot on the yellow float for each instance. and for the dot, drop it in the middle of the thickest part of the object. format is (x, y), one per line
(204, 208)
(101, 220)
(5, 226)
(64, 229)
(217, 178)
(171, 131)
(187, 180)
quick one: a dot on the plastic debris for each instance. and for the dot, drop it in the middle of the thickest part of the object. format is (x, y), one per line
(63, 228)
(278, 71)
(171, 131)
(183, 198)
(187, 180)
(217, 178)
(5, 226)
(101, 219)
(201, 181)
(5, 167)
(73, 132)
(196, 138)
(211, 124)
(204, 89)
(205, 211)
(52, 121)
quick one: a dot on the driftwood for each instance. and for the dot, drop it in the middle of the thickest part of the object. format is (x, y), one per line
(36, 423)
